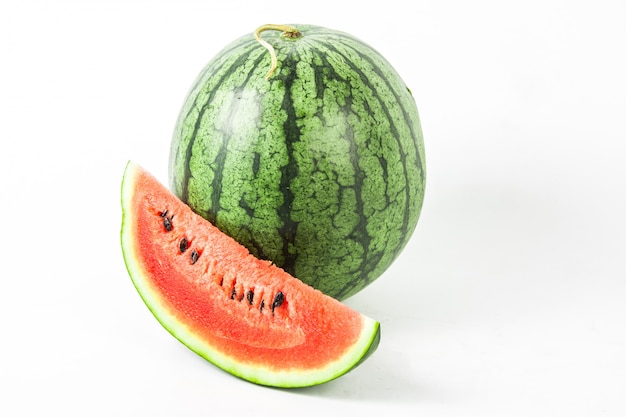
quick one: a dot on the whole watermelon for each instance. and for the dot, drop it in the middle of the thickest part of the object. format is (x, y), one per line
(317, 165)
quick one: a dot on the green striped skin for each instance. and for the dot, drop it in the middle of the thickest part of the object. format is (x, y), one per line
(319, 169)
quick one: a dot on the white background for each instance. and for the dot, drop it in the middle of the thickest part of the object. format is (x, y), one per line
(510, 299)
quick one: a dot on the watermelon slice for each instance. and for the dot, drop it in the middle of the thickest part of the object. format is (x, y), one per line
(243, 314)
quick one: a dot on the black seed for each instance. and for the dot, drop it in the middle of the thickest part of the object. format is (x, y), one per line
(194, 256)
(262, 305)
(163, 213)
(184, 244)
(233, 293)
(250, 296)
(167, 223)
(279, 299)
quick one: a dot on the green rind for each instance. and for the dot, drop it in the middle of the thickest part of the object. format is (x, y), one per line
(320, 169)
(361, 350)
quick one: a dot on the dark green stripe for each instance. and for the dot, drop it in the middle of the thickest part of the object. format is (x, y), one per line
(359, 232)
(290, 171)
(193, 95)
(377, 67)
(217, 182)
(373, 260)
(214, 89)
(407, 119)
(191, 101)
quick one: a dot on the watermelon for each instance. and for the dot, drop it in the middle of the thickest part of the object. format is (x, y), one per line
(243, 314)
(304, 145)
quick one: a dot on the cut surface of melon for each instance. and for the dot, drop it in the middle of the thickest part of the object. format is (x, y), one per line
(243, 314)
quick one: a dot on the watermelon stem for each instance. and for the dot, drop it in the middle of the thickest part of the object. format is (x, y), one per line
(288, 31)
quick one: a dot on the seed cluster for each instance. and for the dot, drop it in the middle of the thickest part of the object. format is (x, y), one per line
(279, 298)
(184, 244)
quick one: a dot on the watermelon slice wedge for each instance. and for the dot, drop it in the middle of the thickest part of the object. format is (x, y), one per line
(243, 314)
